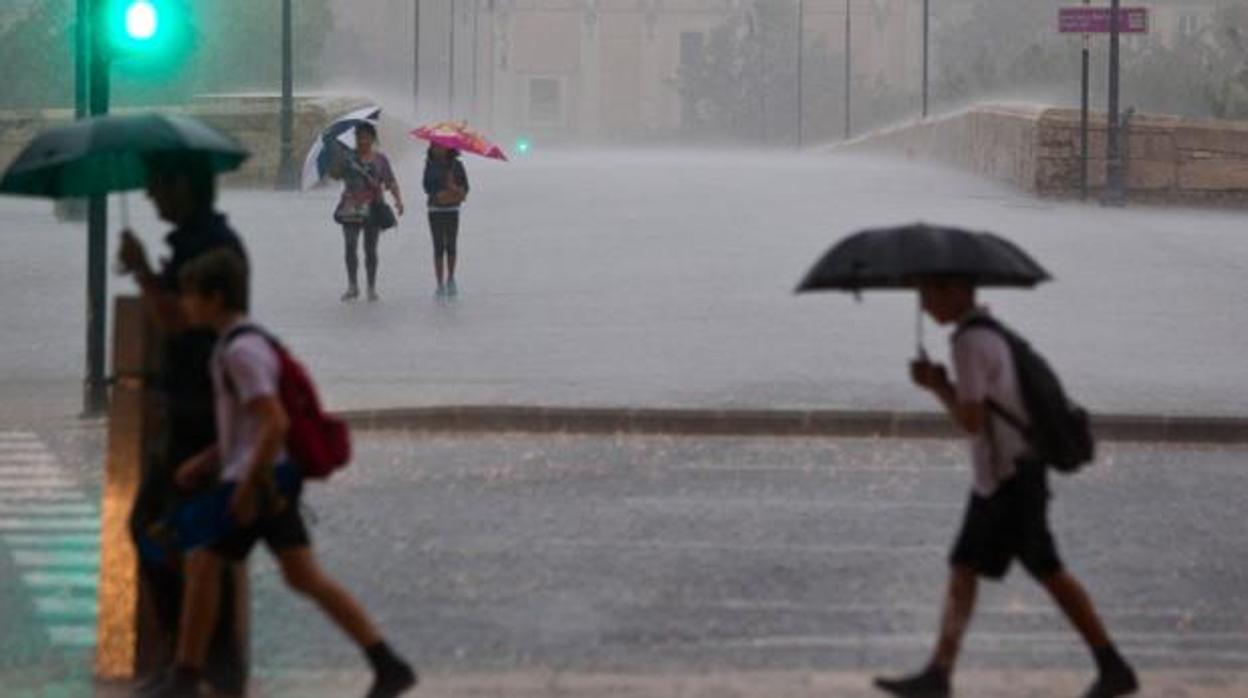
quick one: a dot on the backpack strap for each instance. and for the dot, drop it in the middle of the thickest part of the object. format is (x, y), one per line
(987, 322)
(246, 328)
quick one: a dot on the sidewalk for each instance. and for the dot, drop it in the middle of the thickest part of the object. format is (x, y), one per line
(971, 684)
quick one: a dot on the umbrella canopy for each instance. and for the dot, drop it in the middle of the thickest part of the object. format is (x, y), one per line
(339, 133)
(106, 154)
(893, 258)
(457, 136)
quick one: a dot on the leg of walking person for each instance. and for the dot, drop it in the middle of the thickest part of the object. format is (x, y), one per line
(304, 575)
(1115, 677)
(436, 233)
(351, 238)
(934, 680)
(371, 260)
(452, 243)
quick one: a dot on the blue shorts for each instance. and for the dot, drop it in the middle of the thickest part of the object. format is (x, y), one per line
(205, 521)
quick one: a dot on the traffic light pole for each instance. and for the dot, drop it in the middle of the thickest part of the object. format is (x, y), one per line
(287, 174)
(82, 57)
(95, 396)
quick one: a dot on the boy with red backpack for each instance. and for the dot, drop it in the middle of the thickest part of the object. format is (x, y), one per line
(266, 412)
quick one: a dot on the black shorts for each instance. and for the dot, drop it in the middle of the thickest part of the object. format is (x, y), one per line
(1011, 524)
(280, 526)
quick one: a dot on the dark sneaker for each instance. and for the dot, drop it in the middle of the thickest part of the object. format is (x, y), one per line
(172, 685)
(1114, 682)
(930, 683)
(394, 680)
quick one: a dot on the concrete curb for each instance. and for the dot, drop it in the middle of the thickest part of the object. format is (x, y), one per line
(761, 422)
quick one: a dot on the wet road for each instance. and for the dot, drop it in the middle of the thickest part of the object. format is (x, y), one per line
(522, 553)
(665, 279)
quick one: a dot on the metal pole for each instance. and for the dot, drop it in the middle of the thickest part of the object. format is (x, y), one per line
(95, 394)
(1085, 81)
(849, 53)
(82, 58)
(801, 102)
(287, 174)
(1113, 166)
(450, 79)
(927, 17)
(476, 56)
(416, 61)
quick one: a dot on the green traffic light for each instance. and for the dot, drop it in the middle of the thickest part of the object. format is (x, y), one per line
(148, 36)
(142, 20)
(523, 145)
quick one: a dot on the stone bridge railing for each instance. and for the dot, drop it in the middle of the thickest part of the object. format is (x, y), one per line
(1171, 159)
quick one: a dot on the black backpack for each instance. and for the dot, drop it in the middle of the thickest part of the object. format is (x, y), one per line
(1060, 431)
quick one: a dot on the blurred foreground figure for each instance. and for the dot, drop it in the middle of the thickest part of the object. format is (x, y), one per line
(182, 186)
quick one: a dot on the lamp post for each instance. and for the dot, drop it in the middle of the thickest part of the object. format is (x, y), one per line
(927, 26)
(287, 174)
(849, 76)
(801, 102)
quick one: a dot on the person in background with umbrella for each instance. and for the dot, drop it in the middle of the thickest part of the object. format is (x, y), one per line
(446, 184)
(366, 176)
(1007, 516)
(183, 189)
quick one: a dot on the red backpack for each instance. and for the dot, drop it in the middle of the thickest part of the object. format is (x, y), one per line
(318, 442)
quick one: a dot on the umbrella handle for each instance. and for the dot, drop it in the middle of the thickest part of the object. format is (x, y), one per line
(918, 327)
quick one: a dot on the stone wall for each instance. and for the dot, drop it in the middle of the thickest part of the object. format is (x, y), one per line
(252, 119)
(1170, 159)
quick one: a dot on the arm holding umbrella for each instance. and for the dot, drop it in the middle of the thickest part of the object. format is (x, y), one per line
(161, 303)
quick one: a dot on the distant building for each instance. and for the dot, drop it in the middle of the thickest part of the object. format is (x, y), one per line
(591, 69)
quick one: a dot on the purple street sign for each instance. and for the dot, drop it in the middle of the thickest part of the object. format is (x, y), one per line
(1095, 20)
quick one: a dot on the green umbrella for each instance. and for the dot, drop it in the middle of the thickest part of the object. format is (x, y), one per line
(106, 154)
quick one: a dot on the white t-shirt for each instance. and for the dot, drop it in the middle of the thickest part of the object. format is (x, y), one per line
(984, 370)
(253, 369)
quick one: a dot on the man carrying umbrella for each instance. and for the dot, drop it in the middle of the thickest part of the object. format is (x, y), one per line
(1007, 516)
(183, 189)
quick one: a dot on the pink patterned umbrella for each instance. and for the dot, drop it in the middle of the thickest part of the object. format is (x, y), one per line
(457, 135)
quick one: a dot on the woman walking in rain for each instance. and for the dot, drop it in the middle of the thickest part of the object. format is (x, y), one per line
(366, 175)
(446, 184)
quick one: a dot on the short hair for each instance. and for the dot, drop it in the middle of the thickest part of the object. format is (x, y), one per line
(221, 271)
(366, 127)
(192, 166)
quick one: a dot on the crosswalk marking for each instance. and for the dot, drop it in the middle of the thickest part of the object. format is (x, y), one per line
(66, 607)
(51, 529)
(52, 540)
(45, 559)
(27, 508)
(72, 635)
(24, 524)
(43, 496)
(30, 471)
(50, 483)
(61, 580)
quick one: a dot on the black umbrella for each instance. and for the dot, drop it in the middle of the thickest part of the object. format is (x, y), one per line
(887, 258)
(896, 258)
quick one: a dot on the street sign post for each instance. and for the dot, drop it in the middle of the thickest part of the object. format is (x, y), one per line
(1114, 20)
(1097, 20)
